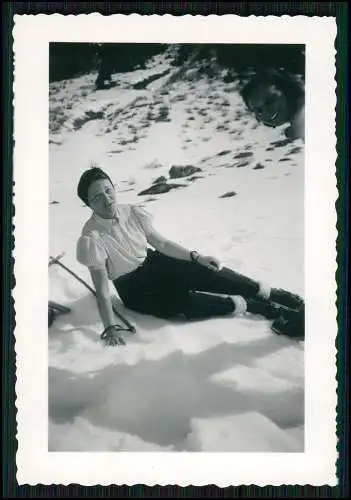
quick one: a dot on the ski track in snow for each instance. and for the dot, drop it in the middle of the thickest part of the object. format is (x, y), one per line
(224, 384)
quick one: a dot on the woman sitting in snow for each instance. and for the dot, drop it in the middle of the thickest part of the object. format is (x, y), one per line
(168, 280)
(275, 98)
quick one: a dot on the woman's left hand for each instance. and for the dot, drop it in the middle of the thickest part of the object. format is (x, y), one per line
(209, 262)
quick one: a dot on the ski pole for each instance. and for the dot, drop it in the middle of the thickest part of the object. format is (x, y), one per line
(56, 260)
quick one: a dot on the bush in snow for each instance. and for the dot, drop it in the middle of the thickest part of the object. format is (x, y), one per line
(57, 118)
(88, 116)
(163, 114)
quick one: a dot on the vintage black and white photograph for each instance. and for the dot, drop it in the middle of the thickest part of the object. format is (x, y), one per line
(177, 186)
(177, 210)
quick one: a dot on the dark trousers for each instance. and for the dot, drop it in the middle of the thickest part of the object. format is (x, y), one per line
(166, 287)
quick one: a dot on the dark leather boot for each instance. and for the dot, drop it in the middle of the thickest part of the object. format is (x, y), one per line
(264, 308)
(290, 323)
(285, 298)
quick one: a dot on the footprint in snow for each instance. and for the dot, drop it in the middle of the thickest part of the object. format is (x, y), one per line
(195, 177)
(221, 127)
(243, 154)
(242, 164)
(204, 160)
(295, 150)
(281, 143)
(225, 152)
(229, 194)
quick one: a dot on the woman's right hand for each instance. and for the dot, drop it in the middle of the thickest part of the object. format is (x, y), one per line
(112, 336)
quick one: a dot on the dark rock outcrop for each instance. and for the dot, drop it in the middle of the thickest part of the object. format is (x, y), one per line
(160, 188)
(161, 179)
(177, 171)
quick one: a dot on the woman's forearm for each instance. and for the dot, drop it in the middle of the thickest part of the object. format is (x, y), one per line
(105, 310)
(103, 297)
(168, 247)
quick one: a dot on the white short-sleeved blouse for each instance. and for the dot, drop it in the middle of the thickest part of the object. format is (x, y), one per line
(119, 244)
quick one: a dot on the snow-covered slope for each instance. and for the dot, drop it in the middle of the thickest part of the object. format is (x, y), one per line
(225, 384)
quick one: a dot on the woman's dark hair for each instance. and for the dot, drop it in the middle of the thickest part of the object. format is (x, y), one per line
(293, 92)
(87, 178)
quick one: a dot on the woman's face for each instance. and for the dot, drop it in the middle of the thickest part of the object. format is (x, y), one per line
(102, 198)
(270, 105)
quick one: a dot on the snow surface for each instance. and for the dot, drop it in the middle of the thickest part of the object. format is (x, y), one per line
(224, 384)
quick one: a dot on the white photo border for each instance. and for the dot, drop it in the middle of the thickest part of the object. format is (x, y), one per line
(317, 465)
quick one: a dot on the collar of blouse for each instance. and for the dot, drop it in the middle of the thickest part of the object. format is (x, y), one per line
(107, 223)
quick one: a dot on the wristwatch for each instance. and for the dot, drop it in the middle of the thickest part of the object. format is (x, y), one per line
(194, 256)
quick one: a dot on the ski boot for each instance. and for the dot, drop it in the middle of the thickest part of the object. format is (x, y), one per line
(290, 323)
(265, 308)
(285, 298)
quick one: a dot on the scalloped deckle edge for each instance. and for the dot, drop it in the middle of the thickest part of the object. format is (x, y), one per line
(35, 464)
